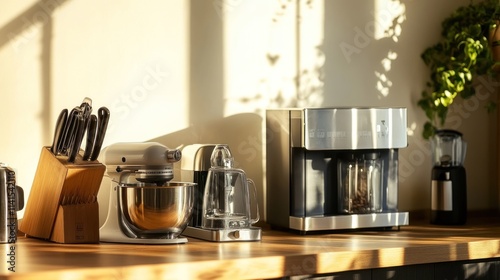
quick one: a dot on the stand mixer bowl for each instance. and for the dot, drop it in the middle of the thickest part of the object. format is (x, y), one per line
(151, 211)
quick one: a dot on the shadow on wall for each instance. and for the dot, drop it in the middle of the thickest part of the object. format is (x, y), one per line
(20, 31)
(243, 134)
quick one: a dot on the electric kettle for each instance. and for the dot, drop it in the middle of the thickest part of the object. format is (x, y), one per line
(229, 194)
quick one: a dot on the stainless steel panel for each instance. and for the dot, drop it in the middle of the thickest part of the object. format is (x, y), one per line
(442, 195)
(278, 165)
(224, 235)
(354, 128)
(349, 221)
(196, 157)
(9, 205)
(4, 207)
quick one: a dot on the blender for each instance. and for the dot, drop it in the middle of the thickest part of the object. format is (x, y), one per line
(449, 182)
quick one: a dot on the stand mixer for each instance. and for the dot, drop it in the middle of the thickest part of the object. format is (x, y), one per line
(144, 205)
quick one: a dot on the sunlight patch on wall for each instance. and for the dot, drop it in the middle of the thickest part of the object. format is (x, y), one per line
(389, 15)
(383, 82)
(410, 130)
(273, 54)
(259, 54)
(139, 68)
(311, 56)
(386, 62)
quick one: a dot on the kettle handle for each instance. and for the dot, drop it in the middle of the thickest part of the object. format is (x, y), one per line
(254, 196)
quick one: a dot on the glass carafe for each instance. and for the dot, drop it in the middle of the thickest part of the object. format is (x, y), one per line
(360, 183)
(228, 195)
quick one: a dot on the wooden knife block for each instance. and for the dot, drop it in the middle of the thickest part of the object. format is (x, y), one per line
(62, 205)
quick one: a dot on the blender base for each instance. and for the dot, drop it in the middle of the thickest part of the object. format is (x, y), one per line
(224, 235)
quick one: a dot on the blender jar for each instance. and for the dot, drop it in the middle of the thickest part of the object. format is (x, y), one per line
(448, 148)
(360, 183)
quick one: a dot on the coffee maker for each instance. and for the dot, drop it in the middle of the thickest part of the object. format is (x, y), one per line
(334, 168)
(197, 166)
(449, 182)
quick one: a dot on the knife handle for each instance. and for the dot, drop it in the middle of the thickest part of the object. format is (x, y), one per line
(60, 124)
(91, 133)
(69, 130)
(102, 125)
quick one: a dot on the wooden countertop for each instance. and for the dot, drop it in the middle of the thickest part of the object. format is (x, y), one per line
(278, 254)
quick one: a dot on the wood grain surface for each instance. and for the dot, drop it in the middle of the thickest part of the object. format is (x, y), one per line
(278, 254)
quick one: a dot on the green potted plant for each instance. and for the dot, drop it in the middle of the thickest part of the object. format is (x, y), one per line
(465, 51)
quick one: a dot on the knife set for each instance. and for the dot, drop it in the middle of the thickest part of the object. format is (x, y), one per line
(71, 127)
(62, 205)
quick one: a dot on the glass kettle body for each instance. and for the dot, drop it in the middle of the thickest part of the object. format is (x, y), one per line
(228, 196)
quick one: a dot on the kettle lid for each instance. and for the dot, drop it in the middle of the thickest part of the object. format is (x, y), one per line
(221, 157)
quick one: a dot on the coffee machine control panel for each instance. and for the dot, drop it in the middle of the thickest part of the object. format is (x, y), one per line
(354, 128)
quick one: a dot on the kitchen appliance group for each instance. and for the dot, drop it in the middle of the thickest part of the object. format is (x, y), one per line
(328, 169)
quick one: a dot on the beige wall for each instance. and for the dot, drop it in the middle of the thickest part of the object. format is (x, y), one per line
(184, 72)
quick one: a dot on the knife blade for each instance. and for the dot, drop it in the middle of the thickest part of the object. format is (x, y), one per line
(103, 115)
(60, 124)
(91, 134)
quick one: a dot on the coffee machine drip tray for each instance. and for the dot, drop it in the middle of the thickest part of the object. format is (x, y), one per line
(355, 221)
(224, 235)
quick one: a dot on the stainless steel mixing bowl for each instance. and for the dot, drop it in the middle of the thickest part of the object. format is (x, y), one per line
(156, 211)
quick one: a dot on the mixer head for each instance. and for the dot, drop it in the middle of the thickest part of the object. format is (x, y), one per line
(149, 162)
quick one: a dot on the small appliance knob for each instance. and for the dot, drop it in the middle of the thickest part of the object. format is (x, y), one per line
(174, 155)
(235, 234)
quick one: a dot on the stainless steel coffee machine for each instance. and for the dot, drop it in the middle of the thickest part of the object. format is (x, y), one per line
(334, 168)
